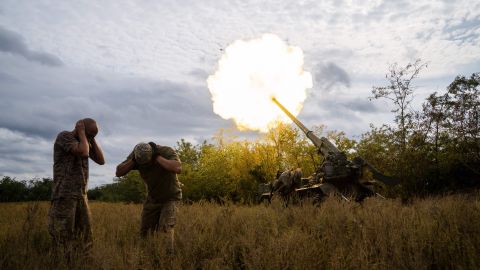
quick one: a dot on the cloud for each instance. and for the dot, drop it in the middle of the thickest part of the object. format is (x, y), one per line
(349, 114)
(123, 102)
(171, 39)
(343, 108)
(24, 155)
(359, 105)
(199, 74)
(328, 75)
(128, 109)
(12, 42)
(7, 78)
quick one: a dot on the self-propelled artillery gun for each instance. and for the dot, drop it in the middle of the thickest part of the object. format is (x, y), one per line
(337, 175)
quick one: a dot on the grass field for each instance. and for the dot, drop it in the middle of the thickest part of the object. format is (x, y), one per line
(435, 233)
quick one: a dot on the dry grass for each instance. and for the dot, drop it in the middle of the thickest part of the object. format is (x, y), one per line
(435, 233)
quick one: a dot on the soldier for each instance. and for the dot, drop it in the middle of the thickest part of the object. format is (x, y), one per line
(158, 167)
(69, 215)
(287, 181)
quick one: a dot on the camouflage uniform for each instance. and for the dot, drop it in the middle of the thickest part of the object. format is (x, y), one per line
(157, 216)
(69, 215)
(164, 190)
(287, 182)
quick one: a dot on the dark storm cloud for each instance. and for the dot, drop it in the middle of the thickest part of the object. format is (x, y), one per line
(333, 107)
(329, 75)
(333, 95)
(42, 107)
(339, 110)
(335, 117)
(22, 154)
(158, 108)
(12, 42)
(346, 106)
(359, 105)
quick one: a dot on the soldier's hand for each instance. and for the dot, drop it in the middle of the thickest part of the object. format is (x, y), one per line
(154, 150)
(91, 142)
(80, 126)
(134, 160)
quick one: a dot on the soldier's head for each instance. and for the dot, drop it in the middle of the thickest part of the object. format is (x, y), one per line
(143, 153)
(91, 128)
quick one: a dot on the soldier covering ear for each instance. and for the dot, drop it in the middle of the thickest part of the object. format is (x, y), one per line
(158, 167)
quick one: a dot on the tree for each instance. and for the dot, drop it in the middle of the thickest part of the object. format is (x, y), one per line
(128, 188)
(342, 142)
(377, 147)
(282, 137)
(462, 102)
(292, 149)
(452, 127)
(188, 153)
(436, 149)
(399, 91)
(12, 190)
(40, 190)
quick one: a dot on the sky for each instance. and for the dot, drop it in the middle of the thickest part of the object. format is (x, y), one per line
(140, 67)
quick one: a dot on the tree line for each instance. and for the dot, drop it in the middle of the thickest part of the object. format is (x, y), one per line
(12, 190)
(435, 149)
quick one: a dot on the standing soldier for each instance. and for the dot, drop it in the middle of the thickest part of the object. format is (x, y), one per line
(69, 215)
(158, 167)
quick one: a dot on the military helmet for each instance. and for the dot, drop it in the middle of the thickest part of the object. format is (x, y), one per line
(143, 153)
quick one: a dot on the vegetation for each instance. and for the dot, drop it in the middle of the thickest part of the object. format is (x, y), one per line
(12, 190)
(433, 150)
(433, 233)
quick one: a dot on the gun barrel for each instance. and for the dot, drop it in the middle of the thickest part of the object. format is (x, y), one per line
(322, 144)
(325, 147)
(294, 119)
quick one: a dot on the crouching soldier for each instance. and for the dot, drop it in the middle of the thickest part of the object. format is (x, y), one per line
(158, 167)
(69, 215)
(286, 183)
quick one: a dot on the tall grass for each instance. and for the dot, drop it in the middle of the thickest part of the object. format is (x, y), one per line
(434, 233)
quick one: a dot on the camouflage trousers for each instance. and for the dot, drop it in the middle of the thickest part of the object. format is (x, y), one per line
(157, 216)
(69, 221)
